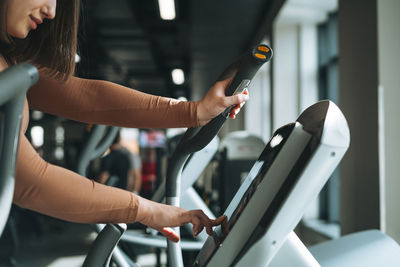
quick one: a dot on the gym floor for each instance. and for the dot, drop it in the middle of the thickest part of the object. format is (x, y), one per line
(63, 245)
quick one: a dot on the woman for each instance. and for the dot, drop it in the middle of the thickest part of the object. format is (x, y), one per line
(31, 31)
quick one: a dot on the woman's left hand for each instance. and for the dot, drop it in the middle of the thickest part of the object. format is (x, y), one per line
(162, 217)
(215, 102)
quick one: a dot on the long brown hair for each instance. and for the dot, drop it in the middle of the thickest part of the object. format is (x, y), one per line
(51, 47)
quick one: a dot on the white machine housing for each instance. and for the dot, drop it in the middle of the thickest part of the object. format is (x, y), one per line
(296, 163)
(368, 248)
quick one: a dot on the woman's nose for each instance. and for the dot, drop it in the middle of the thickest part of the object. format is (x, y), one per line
(49, 9)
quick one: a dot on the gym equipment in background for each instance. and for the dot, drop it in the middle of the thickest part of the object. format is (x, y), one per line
(237, 153)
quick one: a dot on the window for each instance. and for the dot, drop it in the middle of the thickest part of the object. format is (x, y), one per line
(328, 81)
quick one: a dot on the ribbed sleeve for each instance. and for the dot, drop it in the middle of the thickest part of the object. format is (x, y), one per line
(103, 102)
(63, 194)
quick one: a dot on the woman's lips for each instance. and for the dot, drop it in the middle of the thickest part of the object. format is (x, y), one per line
(35, 22)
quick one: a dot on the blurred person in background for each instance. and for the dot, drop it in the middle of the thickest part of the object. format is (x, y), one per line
(122, 164)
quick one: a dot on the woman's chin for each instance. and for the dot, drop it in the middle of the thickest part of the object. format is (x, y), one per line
(19, 34)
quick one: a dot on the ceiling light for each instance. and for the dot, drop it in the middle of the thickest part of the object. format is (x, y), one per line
(77, 58)
(178, 76)
(167, 9)
(37, 135)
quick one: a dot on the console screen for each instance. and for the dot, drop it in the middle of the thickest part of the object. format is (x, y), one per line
(258, 173)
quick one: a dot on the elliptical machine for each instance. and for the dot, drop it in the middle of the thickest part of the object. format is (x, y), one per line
(195, 139)
(290, 172)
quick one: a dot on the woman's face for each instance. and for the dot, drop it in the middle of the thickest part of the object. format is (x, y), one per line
(26, 15)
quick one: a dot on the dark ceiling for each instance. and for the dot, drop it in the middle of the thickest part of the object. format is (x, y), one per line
(126, 41)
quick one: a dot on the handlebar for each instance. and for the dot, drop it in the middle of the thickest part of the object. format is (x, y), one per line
(242, 72)
(14, 82)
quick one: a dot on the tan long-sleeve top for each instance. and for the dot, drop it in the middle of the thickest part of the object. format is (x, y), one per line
(63, 194)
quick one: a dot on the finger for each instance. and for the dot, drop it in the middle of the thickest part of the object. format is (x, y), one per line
(234, 112)
(170, 234)
(197, 229)
(218, 221)
(235, 99)
(235, 109)
(205, 221)
(207, 224)
(224, 226)
(197, 226)
(209, 229)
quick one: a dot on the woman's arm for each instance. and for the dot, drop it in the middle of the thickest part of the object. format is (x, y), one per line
(63, 194)
(102, 102)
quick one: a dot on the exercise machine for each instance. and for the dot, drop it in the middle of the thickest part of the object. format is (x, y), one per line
(242, 71)
(14, 82)
(290, 172)
(195, 139)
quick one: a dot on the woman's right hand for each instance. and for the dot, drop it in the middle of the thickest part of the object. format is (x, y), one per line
(162, 217)
(215, 101)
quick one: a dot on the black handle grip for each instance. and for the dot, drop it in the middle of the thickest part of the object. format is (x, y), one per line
(102, 249)
(242, 72)
(246, 66)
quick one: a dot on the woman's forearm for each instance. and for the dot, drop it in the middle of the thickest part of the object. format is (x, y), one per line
(63, 194)
(102, 102)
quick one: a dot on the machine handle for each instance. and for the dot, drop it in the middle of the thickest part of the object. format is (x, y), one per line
(14, 82)
(102, 249)
(242, 72)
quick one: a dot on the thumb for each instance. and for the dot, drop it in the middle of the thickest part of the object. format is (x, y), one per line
(170, 234)
(236, 99)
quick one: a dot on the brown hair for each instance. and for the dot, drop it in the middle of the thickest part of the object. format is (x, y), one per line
(52, 46)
